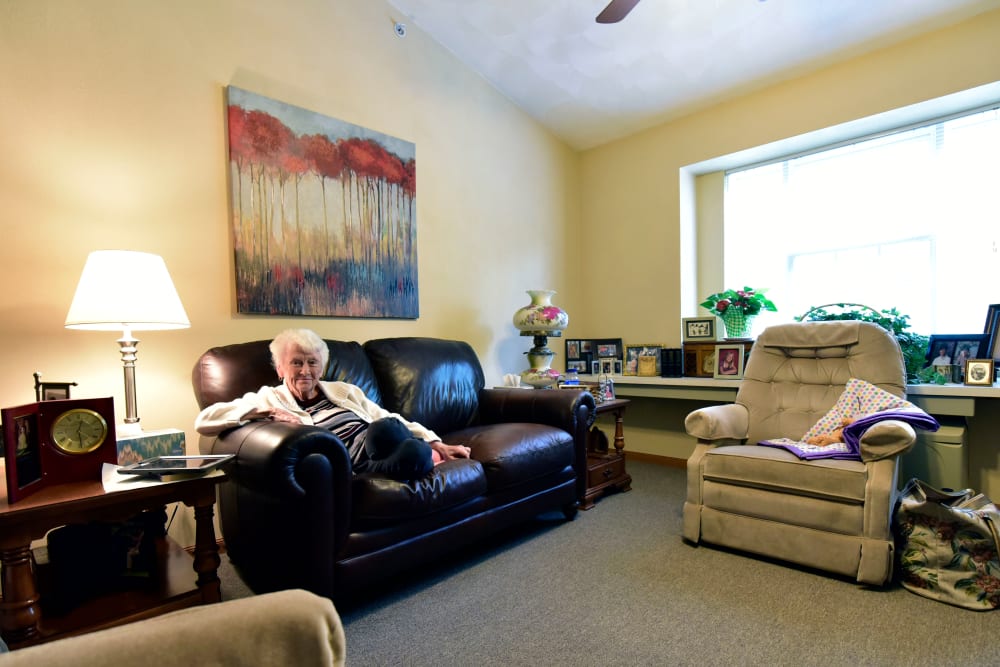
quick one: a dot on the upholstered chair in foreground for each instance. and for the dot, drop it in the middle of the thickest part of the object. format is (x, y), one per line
(829, 514)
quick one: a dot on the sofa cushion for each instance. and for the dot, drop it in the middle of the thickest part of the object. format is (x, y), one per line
(515, 453)
(428, 380)
(379, 501)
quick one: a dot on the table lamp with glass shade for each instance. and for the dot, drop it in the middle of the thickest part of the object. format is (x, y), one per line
(124, 290)
(540, 319)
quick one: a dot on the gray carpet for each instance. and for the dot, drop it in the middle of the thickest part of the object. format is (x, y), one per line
(618, 586)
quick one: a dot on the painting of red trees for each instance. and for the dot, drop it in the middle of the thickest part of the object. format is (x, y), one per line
(323, 213)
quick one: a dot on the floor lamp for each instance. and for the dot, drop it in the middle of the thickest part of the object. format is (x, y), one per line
(123, 290)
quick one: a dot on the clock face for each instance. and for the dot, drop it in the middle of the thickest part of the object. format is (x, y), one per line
(79, 431)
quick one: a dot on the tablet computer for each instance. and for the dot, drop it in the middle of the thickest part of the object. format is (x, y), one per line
(172, 465)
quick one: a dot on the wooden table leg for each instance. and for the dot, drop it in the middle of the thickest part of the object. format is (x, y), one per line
(19, 610)
(619, 430)
(206, 554)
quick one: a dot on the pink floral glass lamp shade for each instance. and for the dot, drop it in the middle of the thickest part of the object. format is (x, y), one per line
(540, 319)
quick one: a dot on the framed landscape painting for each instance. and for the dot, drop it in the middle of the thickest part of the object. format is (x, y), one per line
(323, 213)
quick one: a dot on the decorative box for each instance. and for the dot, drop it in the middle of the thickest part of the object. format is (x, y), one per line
(163, 442)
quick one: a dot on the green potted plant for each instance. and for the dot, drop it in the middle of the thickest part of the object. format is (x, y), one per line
(738, 308)
(913, 345)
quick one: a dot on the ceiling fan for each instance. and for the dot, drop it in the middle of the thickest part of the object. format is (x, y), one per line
(616, 11)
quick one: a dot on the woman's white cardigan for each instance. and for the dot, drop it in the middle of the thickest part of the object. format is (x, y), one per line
(221, 416)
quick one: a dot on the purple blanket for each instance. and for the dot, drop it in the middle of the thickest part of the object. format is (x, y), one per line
(850, 448)
(915, 417)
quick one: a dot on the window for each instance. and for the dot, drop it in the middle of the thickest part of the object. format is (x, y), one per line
(908, 219)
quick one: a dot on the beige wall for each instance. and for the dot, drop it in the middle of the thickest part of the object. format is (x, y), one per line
(112, 136)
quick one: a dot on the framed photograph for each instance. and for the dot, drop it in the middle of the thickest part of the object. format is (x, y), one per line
(607, 391)
(698, 328)
(607, 365)
(22, 451)
(643, 360)
(51, 391)
(954, 349)
(992, 331)
(586, 354)
(608, 347)
(728, 362)
(979, 372)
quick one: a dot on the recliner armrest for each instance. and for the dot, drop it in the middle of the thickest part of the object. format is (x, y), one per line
(719, 422)
(886, 439)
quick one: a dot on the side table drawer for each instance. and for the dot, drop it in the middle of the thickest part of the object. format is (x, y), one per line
(603, 469)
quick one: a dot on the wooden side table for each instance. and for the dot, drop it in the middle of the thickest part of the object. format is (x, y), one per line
(176, 586)
(606, 466)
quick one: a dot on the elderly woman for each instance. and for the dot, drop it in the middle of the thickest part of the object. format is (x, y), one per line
(377, 440)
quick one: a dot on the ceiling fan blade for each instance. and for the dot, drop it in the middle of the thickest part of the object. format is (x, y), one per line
(616, 11)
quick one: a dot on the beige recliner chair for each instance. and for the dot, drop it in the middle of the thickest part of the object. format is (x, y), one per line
(828, 514)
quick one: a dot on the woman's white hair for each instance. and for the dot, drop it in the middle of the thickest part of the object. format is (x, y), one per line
(307, 339)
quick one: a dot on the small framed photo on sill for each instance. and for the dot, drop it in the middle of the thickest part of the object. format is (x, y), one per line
(728, 362)
(979, 372)
(698, 329)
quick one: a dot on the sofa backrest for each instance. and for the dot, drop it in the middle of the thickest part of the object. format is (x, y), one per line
(227, 372)
(796, 373)
(428, 380)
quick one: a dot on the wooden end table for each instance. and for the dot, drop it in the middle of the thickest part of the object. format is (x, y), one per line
(177, 584)
(606, 466)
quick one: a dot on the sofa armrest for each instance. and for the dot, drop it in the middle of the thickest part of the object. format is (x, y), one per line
(572, 411)
(718, 422)
(289, 484)
(562, 408)
(269, 457)
(887, 439)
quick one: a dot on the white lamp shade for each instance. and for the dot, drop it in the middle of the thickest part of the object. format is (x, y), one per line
(123, 289)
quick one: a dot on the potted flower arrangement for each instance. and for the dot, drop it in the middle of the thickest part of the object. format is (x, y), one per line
(737, 308)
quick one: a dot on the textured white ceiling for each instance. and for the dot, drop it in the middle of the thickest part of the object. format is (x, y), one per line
(591, 83)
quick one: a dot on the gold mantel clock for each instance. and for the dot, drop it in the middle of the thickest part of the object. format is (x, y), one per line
(54, 442)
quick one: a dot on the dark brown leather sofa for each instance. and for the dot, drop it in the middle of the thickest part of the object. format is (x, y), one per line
(293, 515)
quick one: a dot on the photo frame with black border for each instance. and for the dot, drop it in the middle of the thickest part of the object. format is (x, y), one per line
(992, 331)
(586, 354)
(979, 372)
(701, 329)
(728, 362)
(947, 348)
(52, 391)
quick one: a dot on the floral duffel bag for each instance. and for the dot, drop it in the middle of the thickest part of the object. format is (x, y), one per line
(948, 544)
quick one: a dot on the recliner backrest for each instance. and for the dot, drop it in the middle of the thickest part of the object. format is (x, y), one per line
(796, 373)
